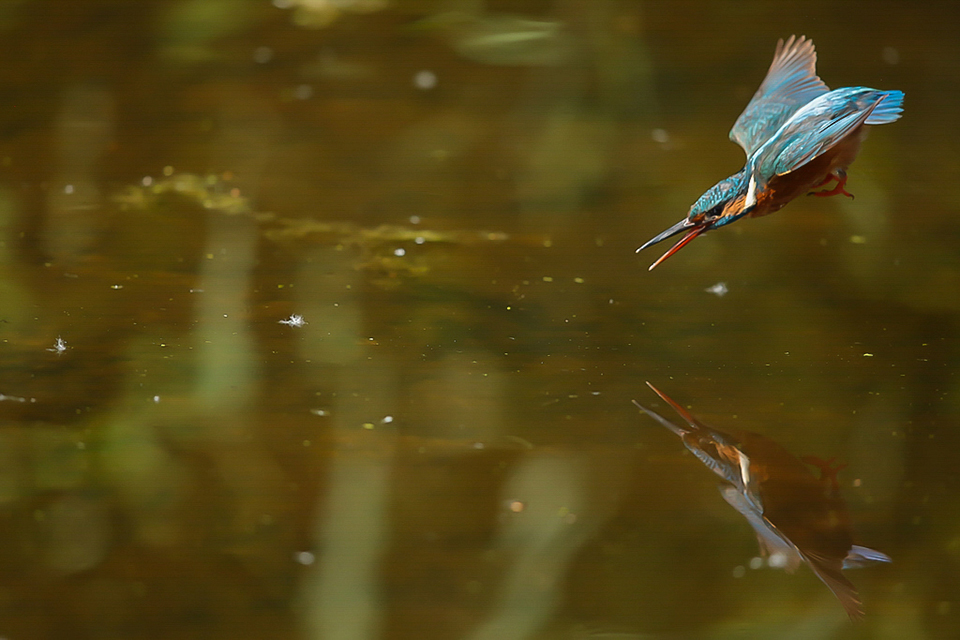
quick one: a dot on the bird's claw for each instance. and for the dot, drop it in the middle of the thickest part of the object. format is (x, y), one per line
(838, 189)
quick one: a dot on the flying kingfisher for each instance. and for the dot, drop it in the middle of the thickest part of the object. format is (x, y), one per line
(797, 516)
(797, 134)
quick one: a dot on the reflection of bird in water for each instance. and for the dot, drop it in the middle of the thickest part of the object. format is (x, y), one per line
(797, 135)
(797, 516)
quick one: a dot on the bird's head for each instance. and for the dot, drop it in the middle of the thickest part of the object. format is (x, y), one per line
(722, 204)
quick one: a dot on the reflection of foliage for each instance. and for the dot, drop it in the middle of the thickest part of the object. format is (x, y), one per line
(385, 233)
(189, 29)
(385, 250)
(209, 192)
(499, 38)
(381, 250)
(316, 14)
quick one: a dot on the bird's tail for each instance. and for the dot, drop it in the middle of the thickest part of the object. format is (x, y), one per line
(888, 109)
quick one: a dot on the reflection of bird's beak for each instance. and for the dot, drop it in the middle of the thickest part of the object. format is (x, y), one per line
(680, 431)
(693, 229)
(695, 425)
(686, 415)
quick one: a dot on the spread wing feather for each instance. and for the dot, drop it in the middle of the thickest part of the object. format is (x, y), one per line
(790, 83)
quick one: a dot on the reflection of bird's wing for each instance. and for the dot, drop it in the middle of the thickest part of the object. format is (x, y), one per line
(791, 83)
(829, 572)
(863, 557)
(821, 125)
(772, 542)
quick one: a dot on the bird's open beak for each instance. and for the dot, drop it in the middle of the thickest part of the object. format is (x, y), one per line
(692, 230)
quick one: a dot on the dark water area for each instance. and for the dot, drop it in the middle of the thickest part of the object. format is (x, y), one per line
(322, 319)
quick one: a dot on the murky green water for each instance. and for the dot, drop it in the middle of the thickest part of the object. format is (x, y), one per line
(322, 320)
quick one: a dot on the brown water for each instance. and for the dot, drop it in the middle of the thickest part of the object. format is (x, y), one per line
(449, 194)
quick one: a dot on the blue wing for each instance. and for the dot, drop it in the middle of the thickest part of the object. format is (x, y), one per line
(791, 83)
(888, 110)
(820, 125)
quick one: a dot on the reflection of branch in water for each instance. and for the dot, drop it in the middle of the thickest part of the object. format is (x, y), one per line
(341, 595)
(552, 515)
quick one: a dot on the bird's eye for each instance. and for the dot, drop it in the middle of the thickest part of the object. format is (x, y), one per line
(714, 213)
(711, 449)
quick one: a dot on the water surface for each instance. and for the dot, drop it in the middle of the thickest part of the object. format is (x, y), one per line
(322, 320)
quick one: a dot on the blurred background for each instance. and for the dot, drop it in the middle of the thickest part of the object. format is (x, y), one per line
(322, 319)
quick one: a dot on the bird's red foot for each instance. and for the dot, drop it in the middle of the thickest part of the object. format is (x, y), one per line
(827, 470)
(838, 189)
(827, 179)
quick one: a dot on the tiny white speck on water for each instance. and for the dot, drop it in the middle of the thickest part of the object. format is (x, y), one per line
(294, 320)
(59, 346)
(719, 289)
(425, 80)
(891, 55)
(262, 55)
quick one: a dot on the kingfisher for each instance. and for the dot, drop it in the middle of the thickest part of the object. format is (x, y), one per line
(798, 135)
(796, 516)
